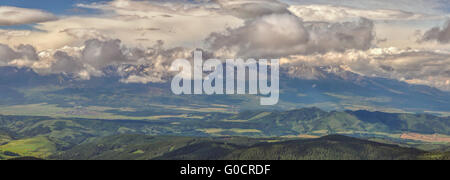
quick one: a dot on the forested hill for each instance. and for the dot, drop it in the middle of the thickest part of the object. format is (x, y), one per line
(236, 148)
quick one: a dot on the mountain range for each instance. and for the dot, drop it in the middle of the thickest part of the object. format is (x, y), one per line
(329, 88)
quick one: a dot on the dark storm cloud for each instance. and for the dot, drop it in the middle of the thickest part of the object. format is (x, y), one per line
(28, 51)
(441, 35)
(65, 63)
(99, 53)
(7, 54)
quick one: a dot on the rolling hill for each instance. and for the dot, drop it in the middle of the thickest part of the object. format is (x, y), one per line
(311, 120)
(67, 132)
(204, 136)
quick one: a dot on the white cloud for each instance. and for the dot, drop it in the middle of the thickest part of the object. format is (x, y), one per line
(249, 9)
(330, 13)
(17, 16)
(133, 22)
(432, 7)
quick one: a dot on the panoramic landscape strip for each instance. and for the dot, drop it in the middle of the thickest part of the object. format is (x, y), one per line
(224, 88)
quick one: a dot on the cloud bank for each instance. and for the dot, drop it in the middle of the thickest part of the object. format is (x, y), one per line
(411, 66)
(139, 39)
(329, 13)
(279, 35)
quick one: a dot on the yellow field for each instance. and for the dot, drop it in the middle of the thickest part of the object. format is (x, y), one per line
(240, 131)
(215, 108)
(235, 121)
(39, 147)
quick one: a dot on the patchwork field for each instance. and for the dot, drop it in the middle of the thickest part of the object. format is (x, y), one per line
(90, 112)
(215, 131)
(426, 138)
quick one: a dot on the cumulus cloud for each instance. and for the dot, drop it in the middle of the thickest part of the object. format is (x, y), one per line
(64, 63)
(280, 35)
(102, 53)
(97, 58)
(88, 60)
(17, 16)
(21, 55)
(438, 34)
(153, 64)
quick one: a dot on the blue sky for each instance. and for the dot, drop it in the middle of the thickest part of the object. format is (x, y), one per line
(65, 6)
(53, 6)
(57, 7)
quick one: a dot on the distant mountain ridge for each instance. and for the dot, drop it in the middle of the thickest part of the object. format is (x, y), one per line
(329, 88)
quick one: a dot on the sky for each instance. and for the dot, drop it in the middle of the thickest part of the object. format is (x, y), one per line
(57, 7)
(406, 40)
